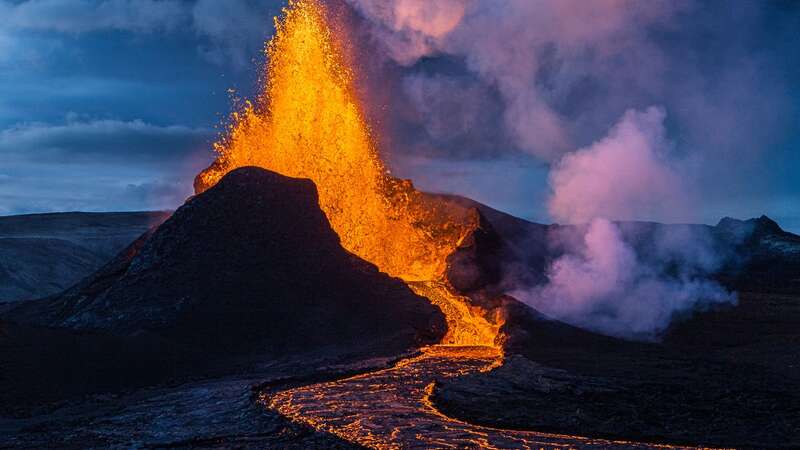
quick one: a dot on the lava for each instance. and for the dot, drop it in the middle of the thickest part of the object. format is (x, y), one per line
(308, 123)
(392, 408)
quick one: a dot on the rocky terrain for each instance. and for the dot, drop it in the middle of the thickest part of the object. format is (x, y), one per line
(236, 282)
(43, 254)
(245, 290)
(252, 262)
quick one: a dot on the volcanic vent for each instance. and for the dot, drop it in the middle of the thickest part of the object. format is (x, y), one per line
(308, 123)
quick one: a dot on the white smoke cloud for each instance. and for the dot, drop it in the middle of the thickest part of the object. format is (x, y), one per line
(557, 74)
(625, 176)
(601, 282)
(565, 71)
(411, 29)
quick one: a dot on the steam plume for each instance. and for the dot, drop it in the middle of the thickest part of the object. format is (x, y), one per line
(624, 176)
(601, 282)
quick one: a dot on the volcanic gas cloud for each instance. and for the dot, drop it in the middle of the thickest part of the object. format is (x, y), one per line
(600, 282)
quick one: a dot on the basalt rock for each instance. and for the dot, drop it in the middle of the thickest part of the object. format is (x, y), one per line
(476, 263)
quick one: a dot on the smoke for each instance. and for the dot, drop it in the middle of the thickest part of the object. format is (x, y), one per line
(601, 284)
(235, 31)
(505, 79)
(625, 280)
(411, 29)
(532, 52)
(626, 175)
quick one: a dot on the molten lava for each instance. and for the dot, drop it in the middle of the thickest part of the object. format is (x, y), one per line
(308, 123)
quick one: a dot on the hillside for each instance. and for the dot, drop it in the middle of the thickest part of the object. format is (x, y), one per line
(43, 254)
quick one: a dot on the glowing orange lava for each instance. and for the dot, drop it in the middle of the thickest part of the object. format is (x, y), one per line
(308, 123)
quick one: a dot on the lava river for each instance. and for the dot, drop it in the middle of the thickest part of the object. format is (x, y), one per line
(391, 408)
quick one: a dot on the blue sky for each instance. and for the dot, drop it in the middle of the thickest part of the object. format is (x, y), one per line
(114, 104)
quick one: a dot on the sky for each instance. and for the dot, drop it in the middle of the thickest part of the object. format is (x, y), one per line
(114, 104)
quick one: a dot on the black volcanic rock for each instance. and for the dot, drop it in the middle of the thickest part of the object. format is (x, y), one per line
(738, 230)
(251, 264)
(36, 267)
(501, 250)
(729, 377)
(765, 257)
(476, 263)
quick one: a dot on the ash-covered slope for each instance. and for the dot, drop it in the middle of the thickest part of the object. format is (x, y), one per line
(43, 254)
(250, 264)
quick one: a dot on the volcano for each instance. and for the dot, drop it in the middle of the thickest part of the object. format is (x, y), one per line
(246, 273)
(250, 264)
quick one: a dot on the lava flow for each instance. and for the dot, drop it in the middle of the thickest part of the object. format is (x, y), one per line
(308, 123)
(392, 408)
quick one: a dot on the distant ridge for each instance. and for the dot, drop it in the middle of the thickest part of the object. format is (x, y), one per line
(43, 254)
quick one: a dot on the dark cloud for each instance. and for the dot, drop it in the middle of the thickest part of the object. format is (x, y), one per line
(230, 32)
(98, 194)
(158, 194)
(147, 92)
(102, 142)
(93, 165)
(235, 30)
(81, 16)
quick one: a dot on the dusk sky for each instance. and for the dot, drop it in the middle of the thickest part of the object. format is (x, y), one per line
(113, 105)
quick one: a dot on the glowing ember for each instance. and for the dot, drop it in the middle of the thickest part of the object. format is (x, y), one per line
(308, 123)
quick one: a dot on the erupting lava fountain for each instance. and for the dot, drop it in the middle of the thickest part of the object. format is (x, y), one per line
(308, 123)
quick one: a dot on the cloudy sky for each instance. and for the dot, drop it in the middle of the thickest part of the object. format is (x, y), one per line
(113, 104)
